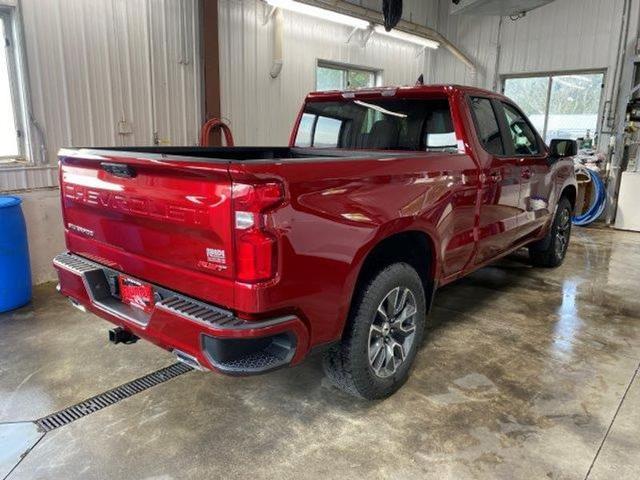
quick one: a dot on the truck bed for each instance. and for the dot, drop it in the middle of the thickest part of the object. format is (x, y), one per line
(240, 154)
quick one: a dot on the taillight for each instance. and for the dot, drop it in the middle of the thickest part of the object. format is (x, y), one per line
(256, 246)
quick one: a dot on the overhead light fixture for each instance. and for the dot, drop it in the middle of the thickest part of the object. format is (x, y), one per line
(407, 37)
(319, 13)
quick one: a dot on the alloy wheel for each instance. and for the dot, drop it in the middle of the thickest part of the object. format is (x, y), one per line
(562, 233)
(392, 332)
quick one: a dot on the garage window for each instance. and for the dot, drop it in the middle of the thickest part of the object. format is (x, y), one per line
(331, 76)
(11, 135)
(559, 106)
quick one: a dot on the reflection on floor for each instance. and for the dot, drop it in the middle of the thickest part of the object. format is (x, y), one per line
(527, 373)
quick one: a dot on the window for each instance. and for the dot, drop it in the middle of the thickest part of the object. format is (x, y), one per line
(381, 124)
(305, 130)
(318, 131)
(522, 135)
(487, 126)
(338, 77)
(327, 132)
(559, 106)
(11, 145)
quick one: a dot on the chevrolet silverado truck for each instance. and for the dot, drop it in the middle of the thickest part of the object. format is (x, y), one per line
(242, 260)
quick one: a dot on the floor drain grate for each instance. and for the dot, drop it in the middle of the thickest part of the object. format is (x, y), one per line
(103, 400)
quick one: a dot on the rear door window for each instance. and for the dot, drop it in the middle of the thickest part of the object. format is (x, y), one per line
(487, 126)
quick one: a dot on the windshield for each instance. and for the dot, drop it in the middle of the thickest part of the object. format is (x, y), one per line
(380, 124)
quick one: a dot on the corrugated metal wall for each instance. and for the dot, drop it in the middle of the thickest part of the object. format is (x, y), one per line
(564, 35)
(262, 110)
(110, 72)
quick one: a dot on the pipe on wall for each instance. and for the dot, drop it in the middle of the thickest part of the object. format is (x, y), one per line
(278, 34)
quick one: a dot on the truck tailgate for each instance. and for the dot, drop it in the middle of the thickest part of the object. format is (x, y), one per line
(162, 219)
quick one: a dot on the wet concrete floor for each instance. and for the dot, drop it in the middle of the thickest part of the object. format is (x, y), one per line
(527, 373)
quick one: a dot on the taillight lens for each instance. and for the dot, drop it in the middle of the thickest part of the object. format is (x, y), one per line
(256, 247)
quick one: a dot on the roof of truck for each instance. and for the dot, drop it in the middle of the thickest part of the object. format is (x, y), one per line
(400, 91)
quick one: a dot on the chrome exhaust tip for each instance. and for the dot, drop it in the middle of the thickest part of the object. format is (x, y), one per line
(188, 359)
(77, 305)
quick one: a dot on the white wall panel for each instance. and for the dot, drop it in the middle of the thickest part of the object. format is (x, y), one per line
(262, 110)
(563, 35)
(43, 217)
(95, 63)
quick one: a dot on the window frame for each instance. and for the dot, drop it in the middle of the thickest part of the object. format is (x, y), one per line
(8, 16)
(560, 73)
(346, 68)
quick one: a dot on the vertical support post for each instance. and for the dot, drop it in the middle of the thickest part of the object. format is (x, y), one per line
(547, 107)
(629, 53)
(211, 67)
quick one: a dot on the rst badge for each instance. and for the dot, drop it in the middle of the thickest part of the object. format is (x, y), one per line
(77, 228)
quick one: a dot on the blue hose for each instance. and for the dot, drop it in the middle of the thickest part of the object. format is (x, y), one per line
(600, 201)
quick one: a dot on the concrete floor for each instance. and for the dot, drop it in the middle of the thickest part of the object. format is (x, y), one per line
(529, 374)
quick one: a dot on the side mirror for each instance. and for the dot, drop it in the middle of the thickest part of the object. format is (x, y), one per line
(561, 148)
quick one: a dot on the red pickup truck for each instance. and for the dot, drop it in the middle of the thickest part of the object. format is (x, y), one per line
(242, 260)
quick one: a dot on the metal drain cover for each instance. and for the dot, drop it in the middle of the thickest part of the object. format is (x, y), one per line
(103, 400)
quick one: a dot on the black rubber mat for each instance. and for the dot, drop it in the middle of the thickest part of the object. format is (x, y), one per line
(103, 400)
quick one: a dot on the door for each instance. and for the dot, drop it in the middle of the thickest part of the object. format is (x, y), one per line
(500, 184)
(526, 149)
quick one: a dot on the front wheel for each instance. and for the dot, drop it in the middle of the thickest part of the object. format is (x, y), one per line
(551, 250)
(382, 337)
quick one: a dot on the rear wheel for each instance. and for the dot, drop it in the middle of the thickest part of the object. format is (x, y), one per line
(551, 250)
(384, 332)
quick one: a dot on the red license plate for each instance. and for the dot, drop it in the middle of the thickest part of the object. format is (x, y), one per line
(136, 293)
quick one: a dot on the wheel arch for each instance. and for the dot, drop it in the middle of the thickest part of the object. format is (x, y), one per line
(570, 192)
(414, 246)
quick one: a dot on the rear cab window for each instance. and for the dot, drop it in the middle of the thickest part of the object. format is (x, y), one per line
(378, 124)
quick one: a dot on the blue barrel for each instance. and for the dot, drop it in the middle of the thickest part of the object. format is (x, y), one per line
(15, 272)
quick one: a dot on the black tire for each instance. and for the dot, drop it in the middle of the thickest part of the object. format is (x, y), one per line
(347, 364)
(551, 250)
